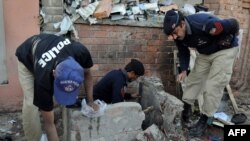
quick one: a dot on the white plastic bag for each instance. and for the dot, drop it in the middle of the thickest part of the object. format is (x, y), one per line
(43, 137)
(89, 111)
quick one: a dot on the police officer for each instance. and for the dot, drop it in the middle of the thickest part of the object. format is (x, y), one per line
(111, 88)
(216, 41)
(49, 67)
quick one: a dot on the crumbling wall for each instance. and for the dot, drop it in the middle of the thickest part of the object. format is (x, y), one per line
(166, 112)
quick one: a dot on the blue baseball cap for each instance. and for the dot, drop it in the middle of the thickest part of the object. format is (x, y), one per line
(69, 76)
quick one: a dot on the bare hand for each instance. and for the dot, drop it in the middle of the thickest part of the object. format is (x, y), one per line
(181, 76)
(135, 95)
(94, 106)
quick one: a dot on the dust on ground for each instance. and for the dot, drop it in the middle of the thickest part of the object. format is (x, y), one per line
(11, 128)
(11, 123)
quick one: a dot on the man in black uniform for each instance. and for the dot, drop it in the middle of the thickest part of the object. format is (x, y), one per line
(111, 87)
(50, 65)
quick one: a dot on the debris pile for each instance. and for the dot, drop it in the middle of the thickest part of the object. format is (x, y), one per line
(156, 116)
(94, 11)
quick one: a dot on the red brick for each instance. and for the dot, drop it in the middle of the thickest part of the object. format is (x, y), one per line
(129, 55)
(245, 4)
(224, 12)
(133, 48)
(149, 57)
(140, 35)
(163, 37)
(214, 6)
(211, 1)
(232, 7)
(154, 42)
(138, 55)
(87, 41)
(83, 34)
(98, 34)
(113, 34)
(152, 48)
(117, 41)
(102, 41)
(94, 54)
(155, 36)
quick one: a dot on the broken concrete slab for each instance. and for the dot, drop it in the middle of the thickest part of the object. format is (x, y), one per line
(167, 108)
(126, 120)
(121, 121)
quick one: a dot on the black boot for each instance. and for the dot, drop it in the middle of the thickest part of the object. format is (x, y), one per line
(187, 112)
(199, 128)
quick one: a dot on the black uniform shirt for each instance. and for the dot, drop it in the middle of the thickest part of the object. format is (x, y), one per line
(51, 49)
(197, 36)
(111, 87)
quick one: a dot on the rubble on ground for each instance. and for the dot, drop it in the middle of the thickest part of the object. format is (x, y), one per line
(156, 118)
(155, 115)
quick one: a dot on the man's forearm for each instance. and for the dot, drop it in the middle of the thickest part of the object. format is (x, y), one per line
(88, 85)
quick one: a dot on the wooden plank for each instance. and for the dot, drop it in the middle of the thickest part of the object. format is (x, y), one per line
(103, 10)
(217, 123)
(169, 7)
(248, 1)
(225, 122)
(231, 96)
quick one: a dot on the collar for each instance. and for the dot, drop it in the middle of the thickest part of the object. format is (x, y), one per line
(125, 73)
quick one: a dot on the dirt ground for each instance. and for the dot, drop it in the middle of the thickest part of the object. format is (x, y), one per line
(10, 123)
(11, 126)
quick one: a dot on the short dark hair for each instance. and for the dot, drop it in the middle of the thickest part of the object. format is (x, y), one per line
(136, 66)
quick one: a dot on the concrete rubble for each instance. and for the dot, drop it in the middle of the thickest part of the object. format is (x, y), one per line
(122, 121)
(156, 116)
(167, 109)
(151, 133)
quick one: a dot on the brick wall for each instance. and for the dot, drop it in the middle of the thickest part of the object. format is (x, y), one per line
(239, 9)
(112, 47)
